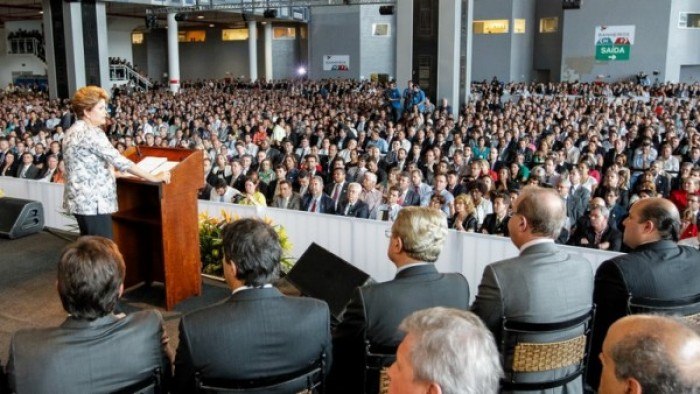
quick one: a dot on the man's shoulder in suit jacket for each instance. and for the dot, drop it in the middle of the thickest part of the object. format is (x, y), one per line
(661, 270)
(360, 209)
(543, 284)
(103, 355)
(412, 198)
(375, 312)
(256, 333)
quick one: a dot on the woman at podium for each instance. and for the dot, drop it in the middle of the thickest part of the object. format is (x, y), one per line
(90, 192)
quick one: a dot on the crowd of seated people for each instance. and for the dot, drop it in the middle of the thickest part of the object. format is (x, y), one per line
(422, 321)
(584, 140)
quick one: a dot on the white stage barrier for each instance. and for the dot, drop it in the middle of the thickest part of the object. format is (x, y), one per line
(359, 241)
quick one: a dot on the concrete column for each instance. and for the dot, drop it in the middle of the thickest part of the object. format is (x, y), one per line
(404, 41)
(467, 42)
(73, 33)
(103, 49)
(76, 46)
(449, 28)
(252, 50)
(268, 51)
(173, 55)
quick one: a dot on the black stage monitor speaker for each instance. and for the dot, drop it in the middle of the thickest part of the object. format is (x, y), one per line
(19, 218)
(320, 274)
(386, 10)
(571, 4)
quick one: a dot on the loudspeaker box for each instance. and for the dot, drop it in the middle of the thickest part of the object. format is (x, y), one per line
(19, 218)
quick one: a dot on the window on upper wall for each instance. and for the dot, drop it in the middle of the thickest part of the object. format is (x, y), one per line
(689, 20)
(284, 33)
(549, 24)
(519, 26)
(381, 29)
(234, 34)
(137, 38)
(192, 36)
(493, 26)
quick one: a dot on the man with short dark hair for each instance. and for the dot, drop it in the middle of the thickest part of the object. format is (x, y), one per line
(656, 268)
(94, 350)
(257, 333)
(544, 284)
(644, 354)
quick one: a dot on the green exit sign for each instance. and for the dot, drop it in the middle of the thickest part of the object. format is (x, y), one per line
(612, 52)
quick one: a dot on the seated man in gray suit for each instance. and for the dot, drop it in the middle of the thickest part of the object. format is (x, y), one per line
(94, 350)
(258, 332)
(543, 284)
(375, 311)
(287, 199)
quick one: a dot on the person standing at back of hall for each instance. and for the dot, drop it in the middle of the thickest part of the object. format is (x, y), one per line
(90, 193)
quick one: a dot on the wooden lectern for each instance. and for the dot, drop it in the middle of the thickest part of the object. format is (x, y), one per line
(156, 227)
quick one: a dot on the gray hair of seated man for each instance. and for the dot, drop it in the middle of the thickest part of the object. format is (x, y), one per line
(454, 349)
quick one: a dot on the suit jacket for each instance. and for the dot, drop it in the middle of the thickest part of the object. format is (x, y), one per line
(293, 203)
(30, 173)
(358, 210)
(542, 285)
(375, 312)
(659, 269)
(490, 225)
(327, 204)
(412, 198)
(577, 203)
(341, 194)
(255, 333)
(80, 356)
(610, 234)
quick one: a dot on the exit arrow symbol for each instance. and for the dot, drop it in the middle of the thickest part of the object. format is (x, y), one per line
(613, 57)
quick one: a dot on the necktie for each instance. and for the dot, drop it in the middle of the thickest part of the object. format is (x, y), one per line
(221, 198)
(347, 209)
(336, 192)
(313, 206)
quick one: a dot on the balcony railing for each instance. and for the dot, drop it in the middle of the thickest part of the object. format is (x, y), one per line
(26, 46)
(121, 73)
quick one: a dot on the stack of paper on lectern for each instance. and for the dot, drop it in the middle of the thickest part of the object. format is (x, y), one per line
(154, 165)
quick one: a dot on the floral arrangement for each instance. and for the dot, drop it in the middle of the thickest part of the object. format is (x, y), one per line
(210, 242)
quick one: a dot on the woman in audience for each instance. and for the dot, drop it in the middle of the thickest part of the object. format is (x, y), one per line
(290, 164)
(689, 225)
(267, 174)
(60, 175)
(690, 187)
(252, 195)
(9, 167)
(464, 218)
(587, 180)
(612, 181)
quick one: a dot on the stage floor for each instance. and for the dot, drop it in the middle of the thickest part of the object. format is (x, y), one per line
(28, 296)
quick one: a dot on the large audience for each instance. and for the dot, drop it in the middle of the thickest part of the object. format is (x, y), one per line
(300, 144)
(590, 165)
